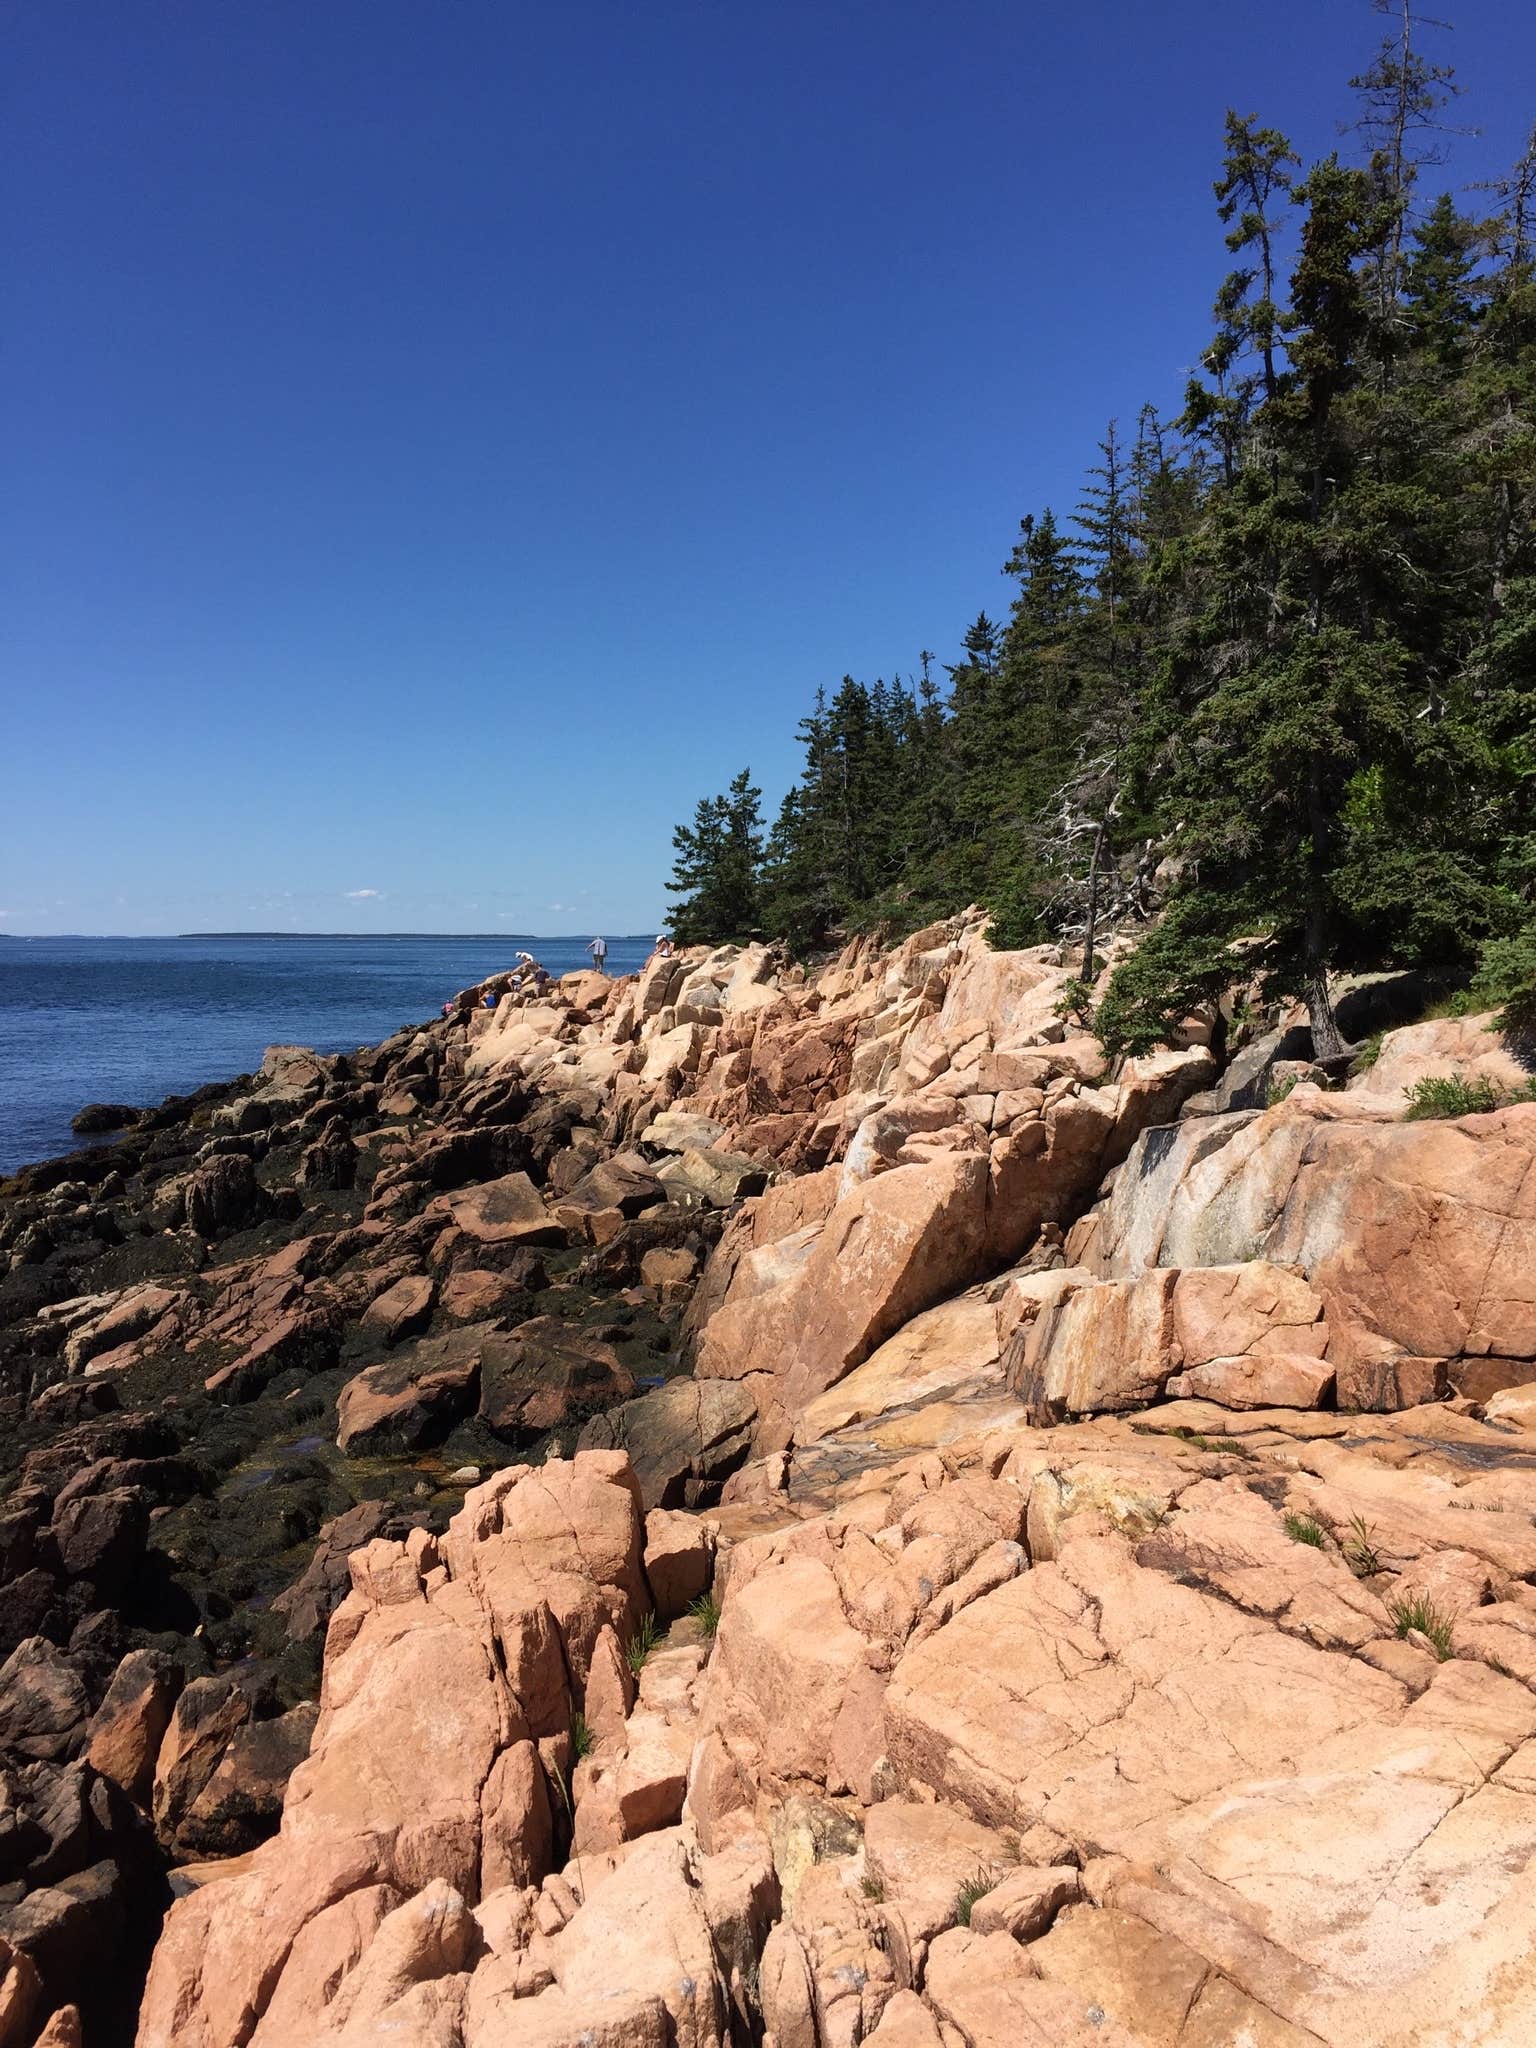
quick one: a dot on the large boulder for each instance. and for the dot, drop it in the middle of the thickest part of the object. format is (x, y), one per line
(241, 1801)
(413, 1399)
(129, 1726)
(1470, 1047)
(1418, 1239)
(222, 1194)
(545, 1374)
(509, 1211)
(44, 1706)
(683, 1439)
(892, 1245)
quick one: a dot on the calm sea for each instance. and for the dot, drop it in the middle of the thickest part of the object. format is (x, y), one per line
(134, 1020)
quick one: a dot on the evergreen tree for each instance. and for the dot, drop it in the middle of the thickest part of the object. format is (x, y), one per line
(1289, 650)
(715, 867)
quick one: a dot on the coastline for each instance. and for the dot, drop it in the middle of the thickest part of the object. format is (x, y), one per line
(756, 1372)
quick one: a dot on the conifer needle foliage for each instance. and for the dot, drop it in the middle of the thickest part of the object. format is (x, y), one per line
(1274, 676)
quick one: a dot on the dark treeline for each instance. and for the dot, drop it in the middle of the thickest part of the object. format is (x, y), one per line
(1282, 653)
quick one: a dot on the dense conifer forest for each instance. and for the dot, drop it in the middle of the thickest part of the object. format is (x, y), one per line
(1272, 679)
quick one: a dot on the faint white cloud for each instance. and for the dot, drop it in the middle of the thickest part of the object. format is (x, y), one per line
(362, 895)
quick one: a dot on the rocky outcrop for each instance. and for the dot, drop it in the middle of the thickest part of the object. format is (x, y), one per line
(1412, 1242)
(938, 1769)
(905, 1671)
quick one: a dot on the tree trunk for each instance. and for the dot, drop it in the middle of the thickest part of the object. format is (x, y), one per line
(1328, 1041)
(1089, 964)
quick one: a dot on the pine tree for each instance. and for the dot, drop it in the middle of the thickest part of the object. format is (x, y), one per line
(715, 868)
(1313, 775)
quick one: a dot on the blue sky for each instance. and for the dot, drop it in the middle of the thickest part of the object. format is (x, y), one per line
(443, 442)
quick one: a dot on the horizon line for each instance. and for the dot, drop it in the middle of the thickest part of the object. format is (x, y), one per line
(545, 938)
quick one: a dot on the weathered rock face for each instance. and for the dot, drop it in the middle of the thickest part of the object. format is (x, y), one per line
(1411, 1245)
(936, 1778)
(936, 1190)
(683, 1440)
(413, 1399)
(447, 1702)
(1443, 1046)
(543, 1375)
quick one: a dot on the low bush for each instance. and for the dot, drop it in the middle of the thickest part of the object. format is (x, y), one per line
(1447, 1095)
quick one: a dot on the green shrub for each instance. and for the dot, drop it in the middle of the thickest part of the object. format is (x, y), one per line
(1443, 1095)
(1076, 1000)
(1277, 1091)
(1506, 981)
(642, 1645)
(872, 1888)
(1369, 1053)
(581, 1739)
(706, 1612)
(1306, 1529)
(1418, 1616)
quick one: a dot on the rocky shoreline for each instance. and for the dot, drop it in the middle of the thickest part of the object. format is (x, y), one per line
(737, 1506)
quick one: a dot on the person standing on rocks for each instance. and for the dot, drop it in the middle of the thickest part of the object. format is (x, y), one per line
(599, 951)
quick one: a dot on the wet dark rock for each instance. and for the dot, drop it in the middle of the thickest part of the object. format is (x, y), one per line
(32, 1604)
(242, 1801)
(203, 1722)
(626, 1183)
(684, 1439)
(44, 1706)
(97, 1117)
(415, 1398)
(544, 1375)
(72, 1401)
(221, 1194)
(101, 1536)
(403, 1310)
(310, 1601)
(331, 1161)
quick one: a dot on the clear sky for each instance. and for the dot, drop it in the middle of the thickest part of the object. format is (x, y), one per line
(443, 441)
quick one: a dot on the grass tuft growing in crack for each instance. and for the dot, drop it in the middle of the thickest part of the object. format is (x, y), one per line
(973, 1889)
(1306, 1529)
(642, 1645)
(706, 1612)
(1360, 1553)
(1419, 1616)
(581, 1739)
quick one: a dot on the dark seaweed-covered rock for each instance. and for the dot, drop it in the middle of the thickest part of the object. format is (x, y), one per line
(97, 1117)
(545, 1375)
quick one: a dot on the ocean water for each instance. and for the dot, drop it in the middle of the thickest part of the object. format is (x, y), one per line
(135, 1020)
